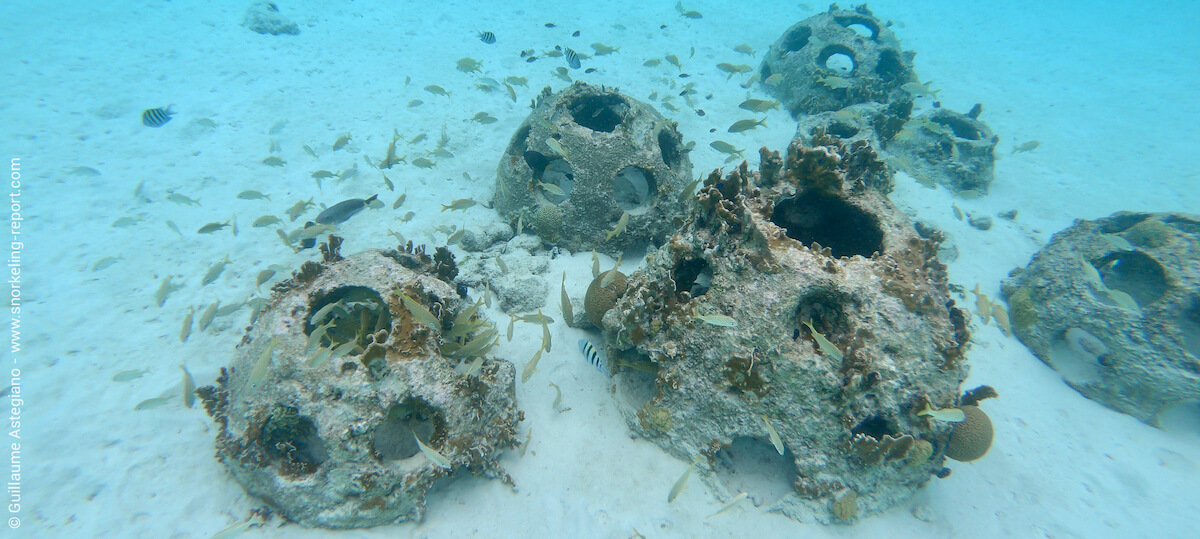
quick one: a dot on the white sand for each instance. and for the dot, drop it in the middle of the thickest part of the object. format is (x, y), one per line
(1110, 93)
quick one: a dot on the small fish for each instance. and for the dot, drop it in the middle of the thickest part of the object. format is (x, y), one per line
(546, 341)
(557, 148)
(983, 306)
(274, 161)
(520, 223)
(512, 321)
(718, 320)
(1026, 147)
(572, 59)
(265, 221)
(399, 200)
(341, 142)
(1122, 299)
(156, 117)
(186, 330)
(595, 264)
(602, 49)
(531, 367)
(124, 222)
(468, 65)
(592, 356)
(182, 200)
(1000, 315)
(552, 189)
(149, 404)
(343, 211)
(259, 371)
(407, 216)
(422, 162)
(474, 366)
(483, 118)
(536, 319)
(949, 415)
(437, 90)
(208, 315)
(215, 271)
(263, 276)
(256, 307)
(612, 273)
(87, 171)
(251, 194)
(105, 262)
(734, 69)
(500, 264)
(827, 348)
(652, 62)
(342, 349)
(774, 435)
(759, 105)
(681, 483)
(674, 60)
(189, 387)
(917, 89)
(725, 148)
(557, 397)
(567, 311)
(774, 80)
(744, 49)
(212, 227)
(420, 313)
(487, 37)
(834, 82)
(165, 290)
(308, 150)
(415, 103)
(733, 503)
(456, 236)
(431, 454)
(517, 81)
(130, 375)
(617, 230)
(746, 125)
(561, 73)
(460, 204)
(299, 208)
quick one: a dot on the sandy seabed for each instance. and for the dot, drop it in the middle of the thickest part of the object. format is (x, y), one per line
(1109, 93)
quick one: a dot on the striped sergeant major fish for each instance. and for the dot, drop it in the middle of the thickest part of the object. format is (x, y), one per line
(572, 58)
(157, 117)
(487, 37)
(592, 356)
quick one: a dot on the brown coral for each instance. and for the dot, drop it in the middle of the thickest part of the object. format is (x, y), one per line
(971, 438)
(599, 299)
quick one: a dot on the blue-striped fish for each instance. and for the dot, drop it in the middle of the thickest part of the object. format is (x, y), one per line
(156, 117)
(487, 37)
(572, 59)
(592, 356)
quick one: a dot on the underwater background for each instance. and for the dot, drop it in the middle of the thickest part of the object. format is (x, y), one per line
(113, 259)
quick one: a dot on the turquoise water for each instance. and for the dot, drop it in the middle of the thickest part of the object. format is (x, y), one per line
(1107, 91)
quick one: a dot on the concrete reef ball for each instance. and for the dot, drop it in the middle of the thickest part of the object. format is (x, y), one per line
(836, 59)
(796, 308)
(1112, 305)
(971, 438)
(594, 154)
(331, 439)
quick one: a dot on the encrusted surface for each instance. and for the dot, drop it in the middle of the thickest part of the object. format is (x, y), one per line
(333, 443)
(808, 238)
(618, 155)
(1113, 305)
(836, 59)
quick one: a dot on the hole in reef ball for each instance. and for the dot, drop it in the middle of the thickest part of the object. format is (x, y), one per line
(839, 62)
(831, 222)
(559, 173)
(632, 187)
